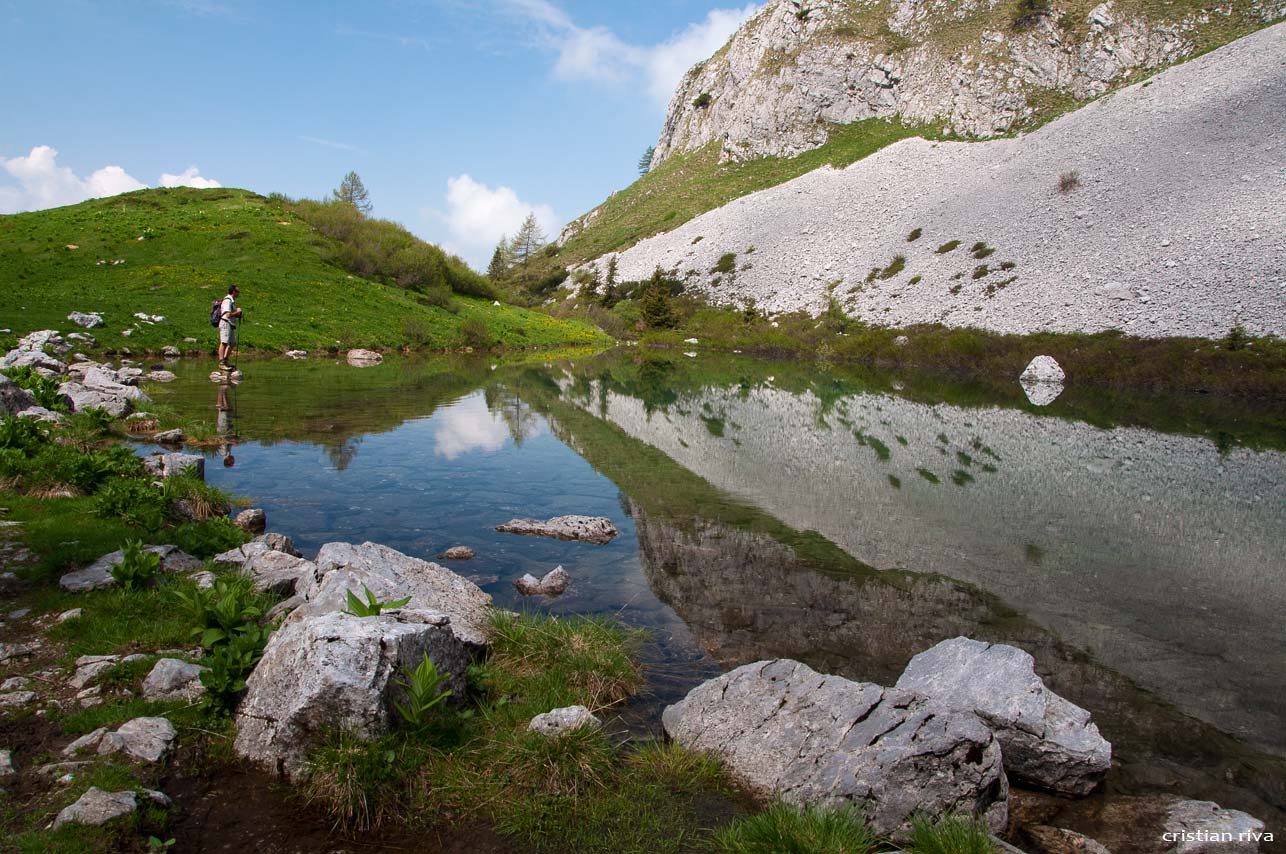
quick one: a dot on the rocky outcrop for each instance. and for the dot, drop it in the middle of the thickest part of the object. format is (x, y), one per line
(1045, 739)
(342, 568)
(145, 739)
(336, 671)
(796, 70)
(1138, 242)
(784, 730)
(99, 573)
(587, 529)
(1203, 827)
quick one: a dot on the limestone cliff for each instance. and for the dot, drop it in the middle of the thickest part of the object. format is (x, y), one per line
(974, 68)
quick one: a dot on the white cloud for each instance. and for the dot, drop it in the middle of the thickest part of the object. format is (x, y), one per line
(468, 426)
(42, 183)
(190, 177)
(599, 54)
(478, 216)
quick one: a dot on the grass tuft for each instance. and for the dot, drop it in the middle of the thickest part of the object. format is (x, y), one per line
(783, 829)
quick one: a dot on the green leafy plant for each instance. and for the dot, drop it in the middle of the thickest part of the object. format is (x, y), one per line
(156, 845)
(372, 606)
(702, 100)
(209, 538)
(221, 613)
(424, 692)
(231, 664)
(138, 568)
(23, 434)
(134, 501)
(43, 389)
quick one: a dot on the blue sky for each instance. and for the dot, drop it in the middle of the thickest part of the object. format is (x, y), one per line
(459, 116)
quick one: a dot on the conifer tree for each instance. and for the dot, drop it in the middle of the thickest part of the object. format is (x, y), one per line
(645, 162)
(526, 243)
(352, 191)
(655, 306)
(501, 260)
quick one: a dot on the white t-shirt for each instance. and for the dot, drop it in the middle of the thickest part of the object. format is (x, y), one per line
(229, 304)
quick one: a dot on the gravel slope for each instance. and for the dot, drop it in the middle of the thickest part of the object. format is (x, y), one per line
(1176, 228)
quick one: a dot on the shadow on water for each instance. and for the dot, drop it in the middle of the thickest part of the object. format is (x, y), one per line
(843, 518)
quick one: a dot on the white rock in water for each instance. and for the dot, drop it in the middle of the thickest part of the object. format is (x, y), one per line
(364, 358)
(97, 807)
(556, 722)
(296, 354)
(553, 583)
(1044, 739)
(1042, 369)
(785, 731)
(587, 529)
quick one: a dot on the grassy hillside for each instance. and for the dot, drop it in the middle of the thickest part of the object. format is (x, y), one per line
(182, 247)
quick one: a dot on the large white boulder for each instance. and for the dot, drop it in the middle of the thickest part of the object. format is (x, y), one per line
(1046, 740)
(336, 671)
(391, 575)
(785, 731)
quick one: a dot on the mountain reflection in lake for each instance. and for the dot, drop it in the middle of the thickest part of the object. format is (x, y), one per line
(841, 519)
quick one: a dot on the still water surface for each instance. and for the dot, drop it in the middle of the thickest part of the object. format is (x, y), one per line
(849, 521)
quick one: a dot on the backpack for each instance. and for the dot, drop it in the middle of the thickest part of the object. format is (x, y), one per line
(216, 312)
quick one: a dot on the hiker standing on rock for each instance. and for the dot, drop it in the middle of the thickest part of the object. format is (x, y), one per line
(229, 314)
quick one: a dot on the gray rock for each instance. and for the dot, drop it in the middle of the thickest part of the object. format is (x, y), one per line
(278, 542)
(13, 397)
(99, 574)
(364, 358)
(587, 529)
(277, 571)
(296, 354)
(786, 731)
(1057, 840)
(253, 520)
(15, 683)
(40, 362)
(160, 376)
(70, 614)
(169, 351)
(1203, 827)
(88, 741)
(83, 398)
(87, 320)
(1043, 369)
(18, 699)
(41, 414)
(559, 721)
(97, 807)
(147, 739)
(458, 553)
(553, 583)
(104, 380)
(336, 670)
(391, 575)
(172, 679)
(1046, 740)
(55, 770)
(45, 340)
(203, 579)
(90, 667)
(169, 437)
(6, 764)
(12, 651)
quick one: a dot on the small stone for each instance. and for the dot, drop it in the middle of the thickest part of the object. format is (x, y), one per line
(458, 553)
(560, 721)
(143, 738)
(11, 651)
(254, 520)
(552, 584)
(6, 764)
(97, 807)
(17, 699)
(172, 679)
(170, 437)
(69, 615)
(15, 683)
(19, 613)
(169, 351)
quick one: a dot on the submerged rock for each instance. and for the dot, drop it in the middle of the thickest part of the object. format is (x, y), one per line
(556, 722)
(785, 731)
(336, 670)
(391, 575)
(1046, 740)
(458, 553)
(553, 583)
(97, 807)
(588, 529)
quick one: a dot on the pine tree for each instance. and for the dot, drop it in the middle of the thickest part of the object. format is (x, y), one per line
(645, 162)
(655, 305)
(526, 243)
(352, 191)
(610, 295)
(500, 260)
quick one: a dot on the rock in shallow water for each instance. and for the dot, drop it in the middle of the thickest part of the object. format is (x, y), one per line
(458, 553)
(1046, 740)
(586, 529)
(786, 731)
(553, 583)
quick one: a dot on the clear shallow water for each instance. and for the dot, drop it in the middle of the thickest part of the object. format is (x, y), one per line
(778, 510)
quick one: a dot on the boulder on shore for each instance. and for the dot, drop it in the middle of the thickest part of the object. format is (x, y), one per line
(785, 731)
(588, 529)
(1204, 827)
(99, 573)
(336, 670)
(390, 576)
(1045, 739)
(97, 807)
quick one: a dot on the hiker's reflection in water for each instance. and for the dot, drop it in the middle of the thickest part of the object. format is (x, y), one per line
(225, 404)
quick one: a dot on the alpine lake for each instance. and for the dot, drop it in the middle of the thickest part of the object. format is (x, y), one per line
(841, 516)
